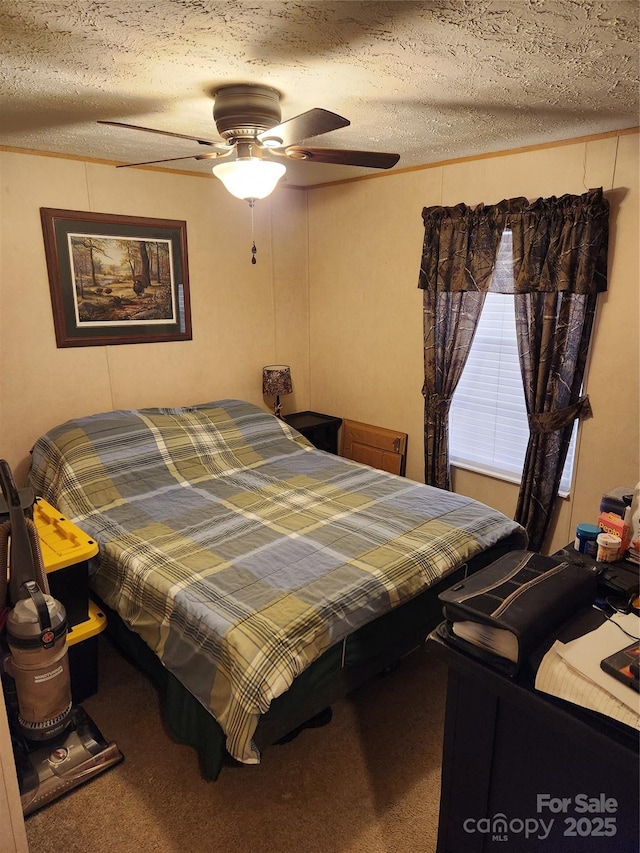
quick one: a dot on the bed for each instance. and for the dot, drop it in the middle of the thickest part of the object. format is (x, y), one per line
(255, 578)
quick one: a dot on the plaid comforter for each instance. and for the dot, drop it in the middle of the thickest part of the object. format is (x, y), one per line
(238, 552)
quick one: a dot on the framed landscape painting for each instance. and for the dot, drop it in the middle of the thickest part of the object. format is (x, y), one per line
(116, 279)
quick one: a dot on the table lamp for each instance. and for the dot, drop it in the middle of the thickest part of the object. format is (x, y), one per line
(276, 381)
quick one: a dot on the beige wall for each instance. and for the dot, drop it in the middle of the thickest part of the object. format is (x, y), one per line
(334, 294)
(243, 316)
(365, 241)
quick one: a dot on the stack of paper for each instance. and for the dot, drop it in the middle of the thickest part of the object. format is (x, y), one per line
(571, 671)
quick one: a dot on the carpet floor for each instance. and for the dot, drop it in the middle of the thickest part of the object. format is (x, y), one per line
(369, 782)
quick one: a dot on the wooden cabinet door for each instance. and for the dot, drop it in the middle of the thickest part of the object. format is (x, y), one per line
(376, 446)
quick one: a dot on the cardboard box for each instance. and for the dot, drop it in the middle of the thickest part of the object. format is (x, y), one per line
(609, 522)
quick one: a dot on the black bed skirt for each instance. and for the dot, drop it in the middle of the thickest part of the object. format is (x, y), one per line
(342, 668)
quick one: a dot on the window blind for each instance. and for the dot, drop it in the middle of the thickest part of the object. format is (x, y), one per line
(488, 427)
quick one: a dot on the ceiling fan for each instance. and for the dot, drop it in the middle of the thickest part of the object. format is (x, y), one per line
(248, 119)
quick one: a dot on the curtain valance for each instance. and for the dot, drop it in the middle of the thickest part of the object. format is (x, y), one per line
(559, 244)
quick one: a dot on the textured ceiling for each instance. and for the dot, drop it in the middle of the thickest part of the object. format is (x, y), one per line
(429, 80)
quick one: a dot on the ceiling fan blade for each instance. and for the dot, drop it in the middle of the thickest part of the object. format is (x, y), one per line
(343, 157)
(211, 156)
(164, 133)
(312, 123)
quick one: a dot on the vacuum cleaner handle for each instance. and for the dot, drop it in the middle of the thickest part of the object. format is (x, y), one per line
(9, 490)
(44, 617)
(21, 556)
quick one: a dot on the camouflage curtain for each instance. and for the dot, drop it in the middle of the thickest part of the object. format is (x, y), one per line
(458, 258)
(559, 266)
(450, 321)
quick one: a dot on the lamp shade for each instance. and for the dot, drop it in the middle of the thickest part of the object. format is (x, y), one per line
(250, 177)
(276, 380)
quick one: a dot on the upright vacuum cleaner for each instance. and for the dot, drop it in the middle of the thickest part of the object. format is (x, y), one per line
(56, 745)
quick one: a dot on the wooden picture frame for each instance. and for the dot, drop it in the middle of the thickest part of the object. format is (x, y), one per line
(116, 279)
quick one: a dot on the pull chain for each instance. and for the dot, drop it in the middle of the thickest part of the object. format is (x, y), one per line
(253, 242)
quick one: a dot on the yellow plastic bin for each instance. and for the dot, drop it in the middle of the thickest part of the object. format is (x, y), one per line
(82, 641)
(66, 551)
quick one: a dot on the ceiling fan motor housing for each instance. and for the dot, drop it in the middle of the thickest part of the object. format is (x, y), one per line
(242, 112)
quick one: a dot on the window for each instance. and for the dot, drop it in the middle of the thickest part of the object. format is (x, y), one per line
(488, 428)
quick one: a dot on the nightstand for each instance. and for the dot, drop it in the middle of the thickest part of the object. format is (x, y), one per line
(320, 430)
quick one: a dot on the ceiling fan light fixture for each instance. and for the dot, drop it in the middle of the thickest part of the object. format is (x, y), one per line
(251, 177)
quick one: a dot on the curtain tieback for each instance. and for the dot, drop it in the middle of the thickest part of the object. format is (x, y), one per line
(436, 404)
(560, 418)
